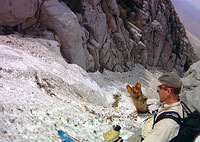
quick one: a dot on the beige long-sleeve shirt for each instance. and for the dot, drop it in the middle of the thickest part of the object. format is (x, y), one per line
(165, 129)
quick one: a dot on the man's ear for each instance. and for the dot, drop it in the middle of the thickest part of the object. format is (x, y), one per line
(168, 94)
(170, 91)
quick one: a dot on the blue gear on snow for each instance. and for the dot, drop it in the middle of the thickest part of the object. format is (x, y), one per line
(63, 135)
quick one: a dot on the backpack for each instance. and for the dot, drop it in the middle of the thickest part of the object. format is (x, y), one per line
(189, 126)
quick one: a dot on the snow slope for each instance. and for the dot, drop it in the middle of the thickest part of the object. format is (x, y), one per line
(40, 93)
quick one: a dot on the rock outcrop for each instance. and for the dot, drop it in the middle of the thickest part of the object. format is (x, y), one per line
(191, 86)
(99, 34)
(59, 18)
(163, 35)
(21, 13)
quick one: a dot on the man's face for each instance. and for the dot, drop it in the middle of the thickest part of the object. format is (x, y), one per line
(162, 91)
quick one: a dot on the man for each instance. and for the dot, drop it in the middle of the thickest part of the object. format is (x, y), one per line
(166, 129)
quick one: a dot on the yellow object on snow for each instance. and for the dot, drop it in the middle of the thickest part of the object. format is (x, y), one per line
(111, 135)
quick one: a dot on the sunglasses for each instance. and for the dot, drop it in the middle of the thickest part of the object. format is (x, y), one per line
(163, 87)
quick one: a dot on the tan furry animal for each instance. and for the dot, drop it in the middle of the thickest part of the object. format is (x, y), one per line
(139, 100)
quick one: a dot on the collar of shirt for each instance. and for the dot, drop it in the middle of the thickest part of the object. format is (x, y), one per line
(165, 107)
(171, 105)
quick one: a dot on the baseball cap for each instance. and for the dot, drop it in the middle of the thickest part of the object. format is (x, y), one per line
(171, 80)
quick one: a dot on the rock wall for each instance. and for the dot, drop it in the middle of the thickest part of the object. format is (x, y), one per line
(191, 86)
(99, 34)
(59, 18)
(18, 12)
(159, 34)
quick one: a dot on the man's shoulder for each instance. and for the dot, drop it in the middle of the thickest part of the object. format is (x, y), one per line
(168, 116)
(175, 107)
(168, 120)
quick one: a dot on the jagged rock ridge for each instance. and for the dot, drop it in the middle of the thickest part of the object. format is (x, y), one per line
(100, 34)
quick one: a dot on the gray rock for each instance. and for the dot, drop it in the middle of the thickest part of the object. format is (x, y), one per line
(191, 86)
(15, 12)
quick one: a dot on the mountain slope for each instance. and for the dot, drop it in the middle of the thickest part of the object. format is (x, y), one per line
(189, 15)
(195, 42)
(100, 34)
(40, 93)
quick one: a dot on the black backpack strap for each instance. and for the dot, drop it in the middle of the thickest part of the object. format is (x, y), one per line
(186, 108)
(169, 114)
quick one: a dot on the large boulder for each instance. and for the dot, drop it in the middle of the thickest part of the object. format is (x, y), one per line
(14, 12)
(59, 18)
(191, 87)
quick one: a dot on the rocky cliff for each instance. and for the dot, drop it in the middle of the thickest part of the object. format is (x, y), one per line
(101, 34)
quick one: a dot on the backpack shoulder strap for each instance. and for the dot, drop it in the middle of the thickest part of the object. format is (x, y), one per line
(169, 114)
(186, 108)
